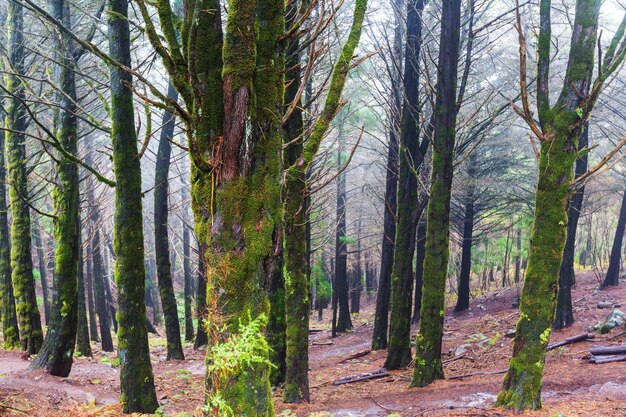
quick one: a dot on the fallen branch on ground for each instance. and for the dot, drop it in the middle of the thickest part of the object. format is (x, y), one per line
(356, 356)
(607, 350)
(478, 373)
(574, 339)
(322, 343)
(379, 373)
(607, 359)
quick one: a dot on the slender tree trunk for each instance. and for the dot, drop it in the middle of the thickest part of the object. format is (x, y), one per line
(31, 336)
(161, 234)
(468, 241)
(612, 274)
(357, 288)
(381, 316)
(41, 259)
(564, 312)
(91, 306)
(201, 299)
(420, 249)
(428, 365)
(343, 321)
(188, 288)
(518, 255)
(82, 333)
(505, 262)
(136, 377)
(408, 210)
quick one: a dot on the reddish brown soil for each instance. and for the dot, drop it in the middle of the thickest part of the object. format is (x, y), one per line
(473, 342)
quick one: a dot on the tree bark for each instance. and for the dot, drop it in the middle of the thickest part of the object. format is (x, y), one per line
(468, 240)
(31, 335)
(408, 210)
(564, 313)
(41, 259)
(161, 234)
(91, 305)
(428, 365)
(82, 332)
(136, 377)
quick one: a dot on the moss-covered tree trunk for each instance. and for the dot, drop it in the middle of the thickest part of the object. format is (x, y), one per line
(428, 365)
(408, 211)
(31, 336)
(10, 328)
(136, 377)
(56, 354)
(161, 233)
(561, 126)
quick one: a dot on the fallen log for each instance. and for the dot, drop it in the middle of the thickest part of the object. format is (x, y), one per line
(574, 339)
(478, 373)
(607, 350)
(311, 331)
(356, 356)
(607, 359)
(323, 343)
(378, 373)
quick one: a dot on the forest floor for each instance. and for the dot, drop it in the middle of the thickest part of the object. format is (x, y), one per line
(474, 341)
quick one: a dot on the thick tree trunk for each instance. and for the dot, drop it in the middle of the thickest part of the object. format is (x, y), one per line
(31, 336)
(428, 365)
(408, 210)
(56, 353)
(564, 313)
(136, 377)
(9, 315)
(161, 234)
(561, 128)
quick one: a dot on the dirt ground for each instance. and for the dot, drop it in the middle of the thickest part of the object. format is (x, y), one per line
(474, 341)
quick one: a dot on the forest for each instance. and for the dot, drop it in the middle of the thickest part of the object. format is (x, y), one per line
(312, 208)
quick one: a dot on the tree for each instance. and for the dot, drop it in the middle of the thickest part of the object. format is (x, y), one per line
(161, 233)
(82, 331)
(428, 365)
(409, 209)
(31, 335)
(564, 316)
(136, 378)
(560, 126)
(612, 273)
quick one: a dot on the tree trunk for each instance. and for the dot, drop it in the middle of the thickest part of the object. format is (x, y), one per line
(564, 313)
(408, 211)
(420, 249)
(41, 259)
(136, 378)
(612, 274)
(31, 336)
(518, 255)
(91, 306)
(381, 316)
(82, 332)
(463, 300)
(188, 288)
(561, 128)
(343, 321)
(161, 234)
(201, 299)
(428, 365)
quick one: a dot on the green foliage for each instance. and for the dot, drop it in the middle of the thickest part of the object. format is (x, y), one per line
(226, 360)
(322, 283)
